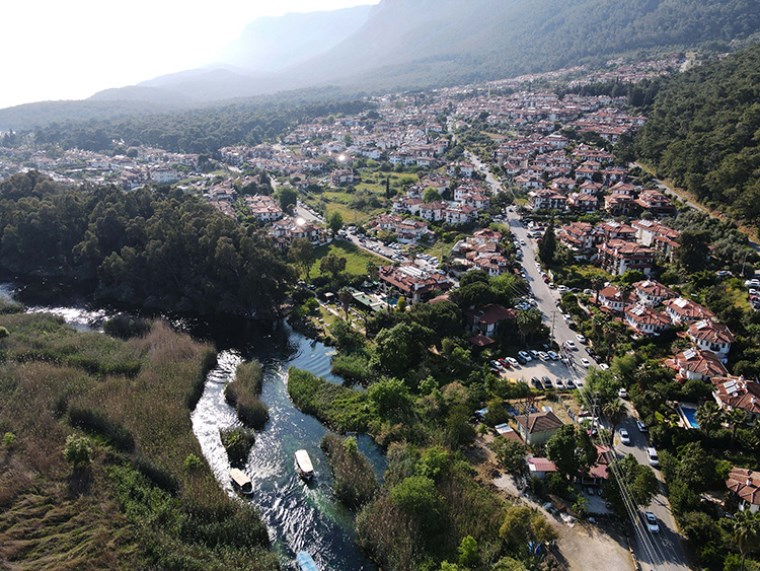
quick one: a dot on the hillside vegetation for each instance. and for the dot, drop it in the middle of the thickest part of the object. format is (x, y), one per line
(134, 493)
(415, 44)
(704, 134)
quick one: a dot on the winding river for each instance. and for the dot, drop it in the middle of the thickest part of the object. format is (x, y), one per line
(299, 516)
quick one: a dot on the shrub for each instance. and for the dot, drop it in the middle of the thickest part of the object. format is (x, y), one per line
(238, 443)
(355, 483)
(192, 463)
(353, 368)
(9, 439)
(252, 412)
(78, 450)
(125, 326)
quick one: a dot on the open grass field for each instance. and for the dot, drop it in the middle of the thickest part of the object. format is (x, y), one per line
(356, 258)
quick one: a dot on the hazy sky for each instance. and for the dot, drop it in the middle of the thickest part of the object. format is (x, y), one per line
(69, 49)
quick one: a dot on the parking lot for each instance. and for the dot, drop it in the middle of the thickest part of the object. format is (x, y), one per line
(554, 370)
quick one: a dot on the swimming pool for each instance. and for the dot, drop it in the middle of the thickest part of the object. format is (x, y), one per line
(689, 414)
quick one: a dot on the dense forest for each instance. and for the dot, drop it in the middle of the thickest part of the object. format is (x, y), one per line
(704, 132)
(159, 250)
(203, 130)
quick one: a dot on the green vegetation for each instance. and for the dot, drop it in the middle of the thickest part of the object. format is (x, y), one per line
(242, 394)
(157, 250)
(100, 125)
(238, 443)
(132, 499)
(702, 134)
(356, 258)
(340, 408)
(354, 481)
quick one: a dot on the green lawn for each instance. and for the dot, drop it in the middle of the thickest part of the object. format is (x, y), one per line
(441, 247)
(356, 258)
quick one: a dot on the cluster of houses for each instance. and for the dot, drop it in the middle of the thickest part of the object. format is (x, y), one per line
(480, 251)
(618, 247)
(140, 166)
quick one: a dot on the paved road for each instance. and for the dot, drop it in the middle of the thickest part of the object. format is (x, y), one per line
(655, 552)
(662, 551)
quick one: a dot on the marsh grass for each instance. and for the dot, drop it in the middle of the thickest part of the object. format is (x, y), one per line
(143, 508)
(341, 408)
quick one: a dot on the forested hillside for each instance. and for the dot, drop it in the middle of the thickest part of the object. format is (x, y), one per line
(161, 250)
(202, 130)
(704, 134)
(416, 44)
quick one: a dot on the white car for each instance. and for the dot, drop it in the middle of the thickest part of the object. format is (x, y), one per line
(622, 393)
(553, 356)
(652, 524)
(641, 426)
(585, 362)
(571, 346)
(525, 355)
(562, 289)
(512, 361)
(543, 356)
(654, 460)
(604, 366)
(625, 438)
(580, 338)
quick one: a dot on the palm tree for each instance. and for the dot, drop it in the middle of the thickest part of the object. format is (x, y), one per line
(615, 411)
(709, 417)
(745, 531)
(597, 284)
(735, 418)
(529, 322)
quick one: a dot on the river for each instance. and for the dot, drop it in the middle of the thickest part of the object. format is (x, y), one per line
(299, 516)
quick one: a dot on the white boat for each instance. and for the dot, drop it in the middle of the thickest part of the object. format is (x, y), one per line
(305, 562)
(303, 465)
(241, 481)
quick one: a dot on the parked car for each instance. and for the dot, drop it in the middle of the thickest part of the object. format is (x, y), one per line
(505, 363)
(570, 345)
(560, 384)
(622, 393)
(585, 362)
(547, 381)
(543, 356)
(604, 366)
(533, 353)
(652, 524)
(580, 338)
(522, 360)
(562, 289)
(553, 356)
(537, 383)
(641, 426)
(570, 384)
(625, 438)
(512, 361)
(496, 365)
(654, 460)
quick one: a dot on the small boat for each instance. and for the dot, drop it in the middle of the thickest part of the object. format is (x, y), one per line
(303, 465)
(305, 562)
(241, 481)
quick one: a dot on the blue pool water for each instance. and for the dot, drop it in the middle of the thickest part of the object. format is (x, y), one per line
(691, 415)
